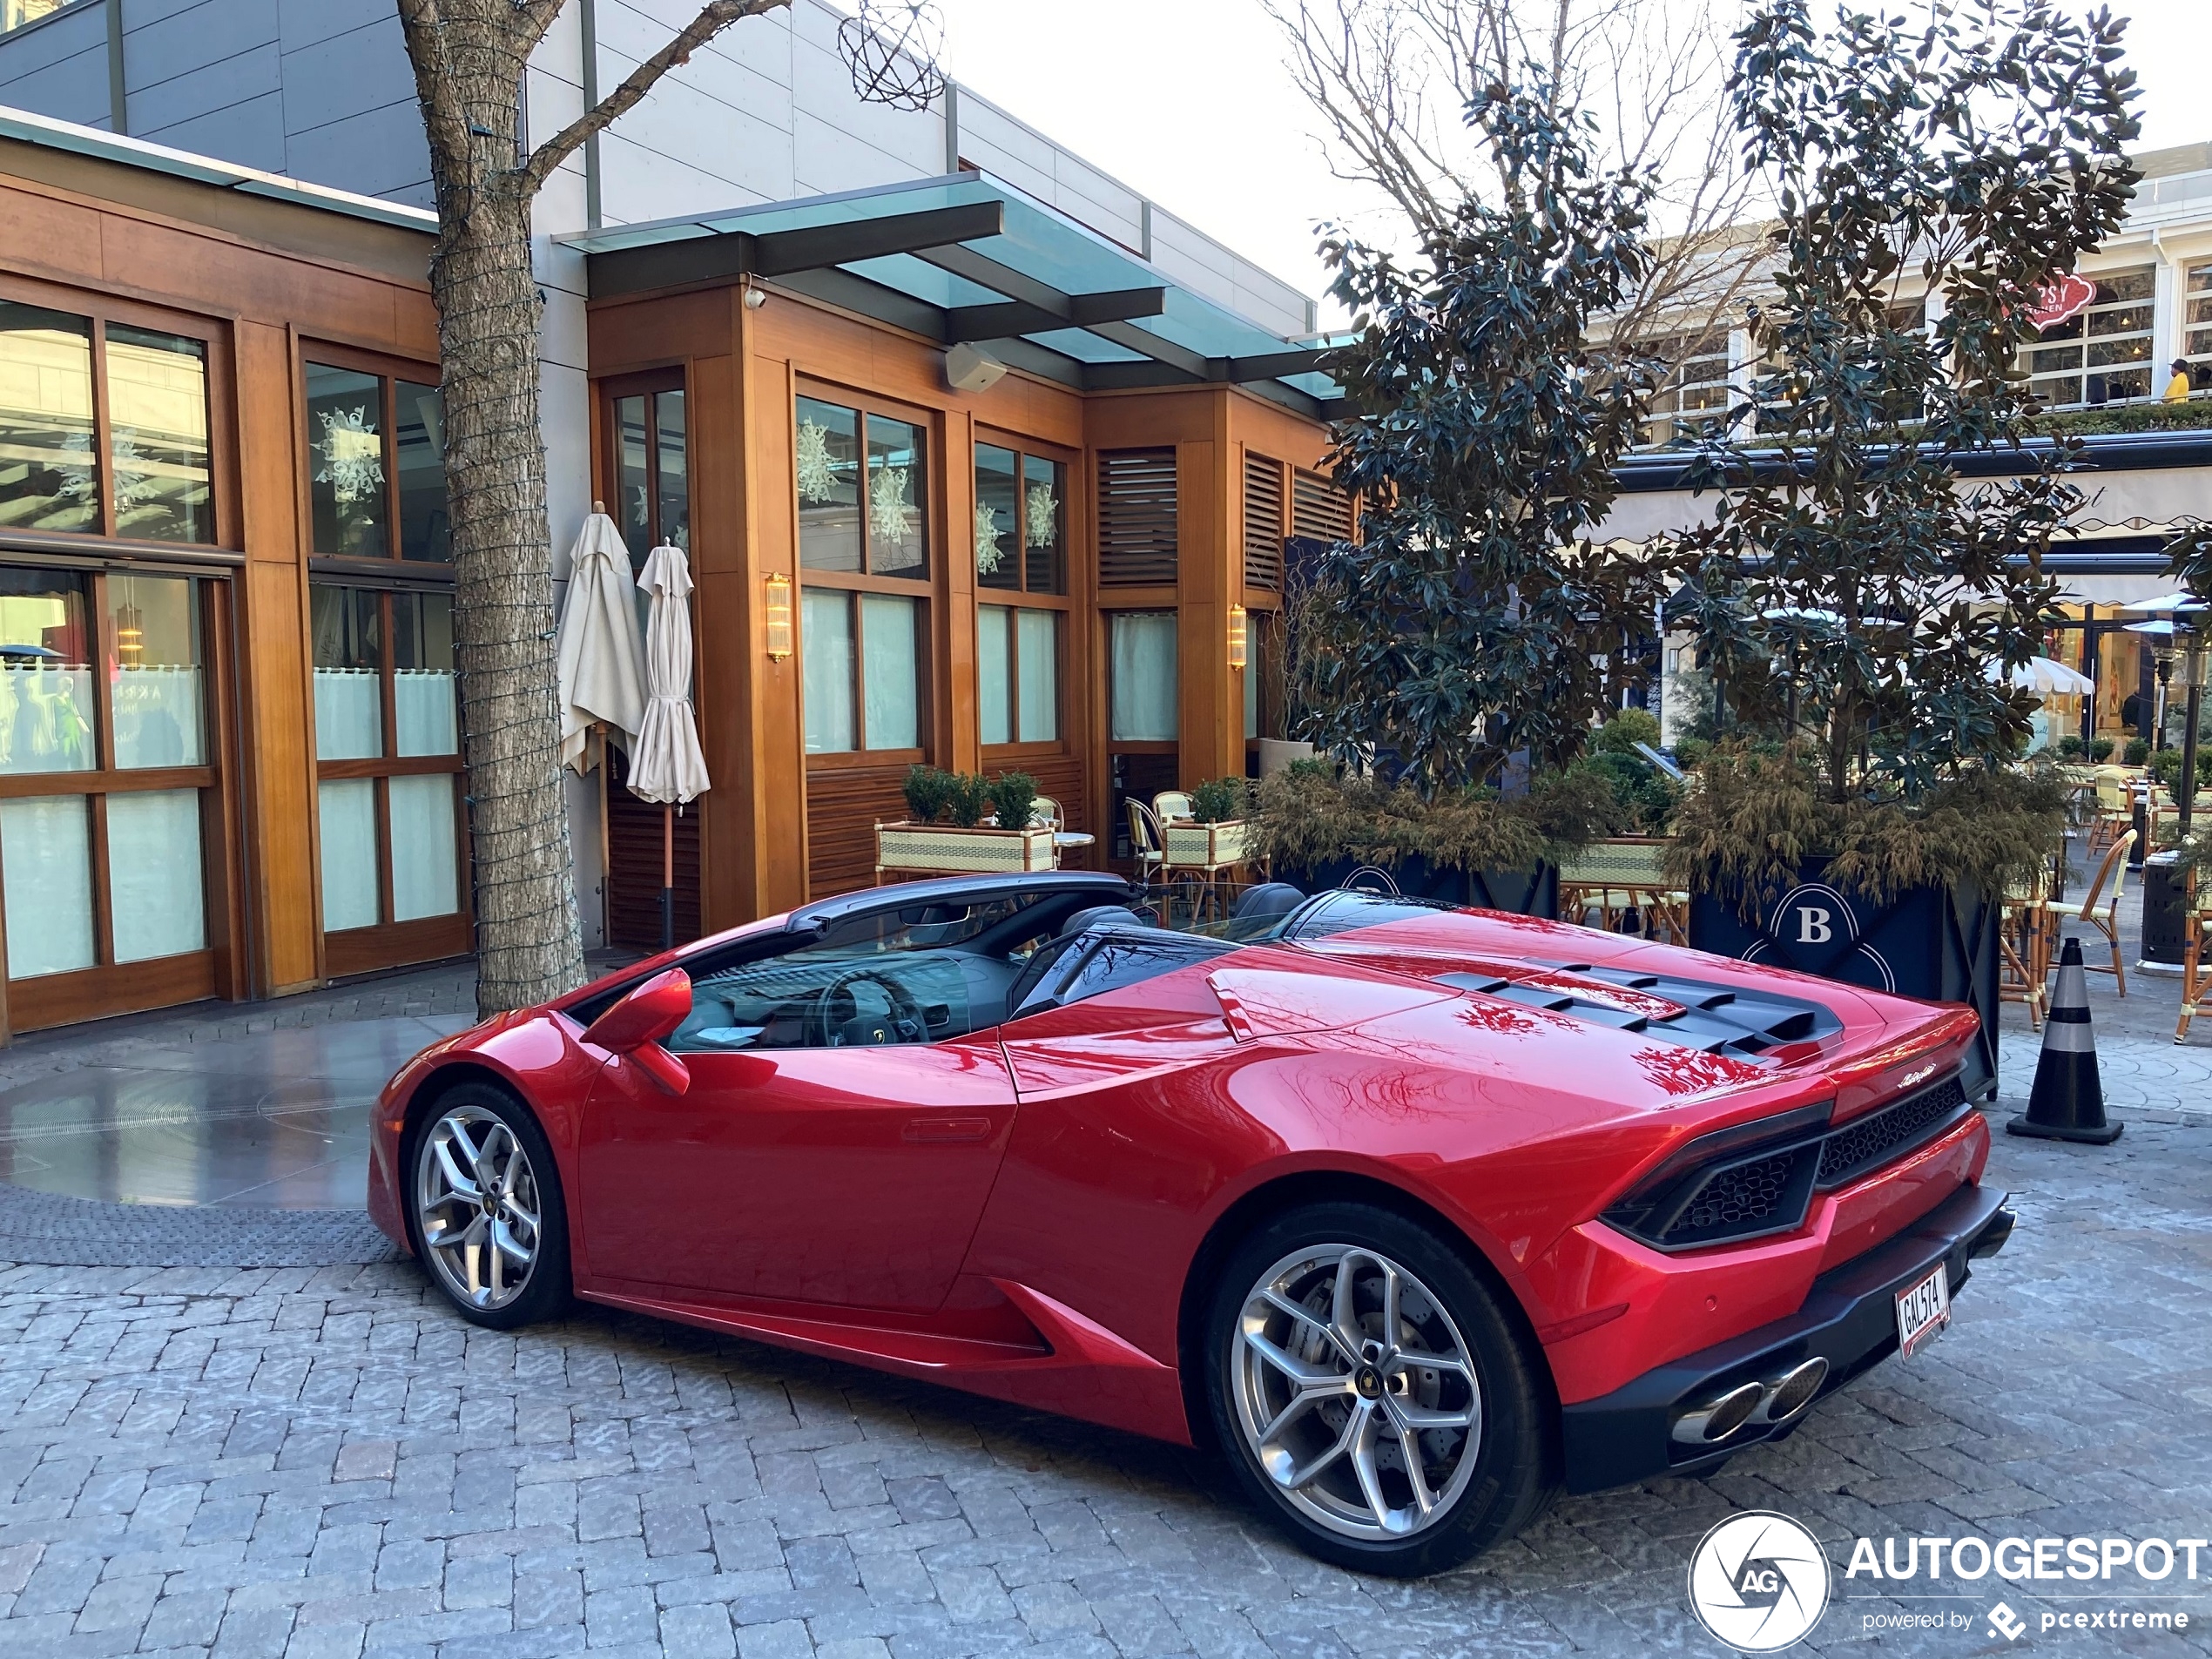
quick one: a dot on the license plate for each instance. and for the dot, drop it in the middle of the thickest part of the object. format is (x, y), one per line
(1923, 1309)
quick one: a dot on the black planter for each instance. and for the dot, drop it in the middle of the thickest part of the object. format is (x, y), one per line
(1520, 893)
(1937, 944)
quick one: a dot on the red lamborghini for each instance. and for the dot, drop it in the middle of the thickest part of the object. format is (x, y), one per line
(1419, 1215)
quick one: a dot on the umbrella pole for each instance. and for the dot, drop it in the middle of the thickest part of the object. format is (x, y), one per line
(667, 876)
(606, 865)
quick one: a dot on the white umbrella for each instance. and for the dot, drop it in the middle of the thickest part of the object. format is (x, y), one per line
(602, 682)
(666, 764)
(2046, 675)
(2166, 603)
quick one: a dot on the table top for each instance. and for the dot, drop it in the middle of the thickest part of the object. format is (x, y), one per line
(1073, 837)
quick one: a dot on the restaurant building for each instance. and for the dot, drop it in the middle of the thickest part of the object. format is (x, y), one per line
(979, 460)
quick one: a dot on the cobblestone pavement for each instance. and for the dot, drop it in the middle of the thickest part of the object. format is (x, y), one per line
(318, 1461)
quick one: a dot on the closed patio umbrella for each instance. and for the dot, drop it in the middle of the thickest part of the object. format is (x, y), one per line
(599, 658)
(666, 764)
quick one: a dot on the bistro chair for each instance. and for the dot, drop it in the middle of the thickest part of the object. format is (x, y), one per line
(1044, 813)
(1169, 804)
(1145, 841)
(2023, 939)
(2115, 808)
(2196, 956)
(2100, 911)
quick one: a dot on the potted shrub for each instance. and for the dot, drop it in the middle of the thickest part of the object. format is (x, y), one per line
(2138, 752)
(2101, 751)
(1860, 610)
(1218, 832)
(962, 843)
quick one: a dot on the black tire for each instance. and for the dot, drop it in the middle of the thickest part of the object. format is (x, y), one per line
(545, 1291)
(1511, 1479)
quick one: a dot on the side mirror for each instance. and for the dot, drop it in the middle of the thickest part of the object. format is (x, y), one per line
(636, 1026)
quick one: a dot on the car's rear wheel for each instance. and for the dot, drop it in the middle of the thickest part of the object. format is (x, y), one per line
(1370, 1394)
(486, 1209)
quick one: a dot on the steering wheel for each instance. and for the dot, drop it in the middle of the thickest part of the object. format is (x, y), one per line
(903, 1021)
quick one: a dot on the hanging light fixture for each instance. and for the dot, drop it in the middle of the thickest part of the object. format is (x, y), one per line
(1239, 637)
(777, 587)
(130, 635)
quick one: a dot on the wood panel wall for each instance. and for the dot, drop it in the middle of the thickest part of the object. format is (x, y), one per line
(843, 804)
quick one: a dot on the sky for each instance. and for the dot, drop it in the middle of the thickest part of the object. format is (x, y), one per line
(1188, 102)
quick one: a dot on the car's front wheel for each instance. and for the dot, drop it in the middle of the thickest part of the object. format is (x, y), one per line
(486, 1209)
(1370, 1394)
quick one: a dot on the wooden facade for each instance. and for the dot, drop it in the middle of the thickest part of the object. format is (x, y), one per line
(263, 285)
(781, 826)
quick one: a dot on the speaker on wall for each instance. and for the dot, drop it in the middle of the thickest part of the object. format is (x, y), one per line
(967, 369)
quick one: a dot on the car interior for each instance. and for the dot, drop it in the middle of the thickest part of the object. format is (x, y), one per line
(930, 973)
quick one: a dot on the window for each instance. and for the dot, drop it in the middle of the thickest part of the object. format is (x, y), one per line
(123, 452)
(1143, 674)
(652, 469)
(376, 466)
(1693, 395)
(2196, 324)
(17, 14)
(103, 755)
(1022, 563)
(387, 753)
(2099, 356)
(862, 481)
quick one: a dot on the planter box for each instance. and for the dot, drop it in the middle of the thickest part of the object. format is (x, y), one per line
(1202, 846)
(941, 849)
(1520, 893)
(1937, 944)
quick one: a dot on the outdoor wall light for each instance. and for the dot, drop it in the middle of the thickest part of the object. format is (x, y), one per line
(776, 592)
(1237, 637)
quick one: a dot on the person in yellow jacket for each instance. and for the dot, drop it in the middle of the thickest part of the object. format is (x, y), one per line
(2177, 389)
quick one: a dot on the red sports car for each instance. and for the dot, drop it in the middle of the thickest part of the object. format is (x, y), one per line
(1418, 1214)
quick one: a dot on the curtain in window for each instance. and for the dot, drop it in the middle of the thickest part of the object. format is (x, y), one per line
(1039, 639)
(994, 686)
(425, 853)
(422, 710)
(46, 843)
(1143, 676)
(826, 638)
(346, 808)
(154, 873)
(890, 674)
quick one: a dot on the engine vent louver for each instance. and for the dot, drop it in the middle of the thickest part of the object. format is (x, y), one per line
(1711, 1018)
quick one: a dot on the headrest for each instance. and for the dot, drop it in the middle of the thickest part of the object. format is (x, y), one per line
(1269, 899)
(1100, 916)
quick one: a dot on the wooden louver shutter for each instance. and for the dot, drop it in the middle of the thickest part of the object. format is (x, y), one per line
(1137, 544)
(1263, 522)
(1319, 511)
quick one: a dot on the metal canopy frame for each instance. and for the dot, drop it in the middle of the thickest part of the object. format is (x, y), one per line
(969, 259)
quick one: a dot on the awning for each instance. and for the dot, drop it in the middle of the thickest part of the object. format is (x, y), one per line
(969, 257)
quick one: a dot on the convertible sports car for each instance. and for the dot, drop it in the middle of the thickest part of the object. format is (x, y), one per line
(1419, 1215)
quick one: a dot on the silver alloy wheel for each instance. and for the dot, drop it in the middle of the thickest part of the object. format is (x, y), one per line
(1355, 1393)
(477, 1204)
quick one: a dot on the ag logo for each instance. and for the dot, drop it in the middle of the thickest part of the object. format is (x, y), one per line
(1759, 1582)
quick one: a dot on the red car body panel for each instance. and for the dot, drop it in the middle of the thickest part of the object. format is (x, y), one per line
(1018, 1212)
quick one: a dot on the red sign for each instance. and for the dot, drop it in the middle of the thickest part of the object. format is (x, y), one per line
(2059, 299)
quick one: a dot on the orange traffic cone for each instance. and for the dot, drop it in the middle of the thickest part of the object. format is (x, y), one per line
(2068, 1101)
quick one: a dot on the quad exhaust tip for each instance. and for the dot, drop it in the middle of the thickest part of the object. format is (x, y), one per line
(1767, 1404)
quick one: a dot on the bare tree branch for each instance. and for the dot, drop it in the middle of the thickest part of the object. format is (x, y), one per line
(537, 16)
(712, 21)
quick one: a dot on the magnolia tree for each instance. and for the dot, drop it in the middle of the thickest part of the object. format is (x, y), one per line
(1857, 579)
(1475, 617)
(469, 58)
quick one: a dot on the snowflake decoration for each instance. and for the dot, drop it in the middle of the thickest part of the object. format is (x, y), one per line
(352, 454)
(80, 482)
(1043, 515)
(817, 473)
(134, 481)
(988, 554)
(891, 515)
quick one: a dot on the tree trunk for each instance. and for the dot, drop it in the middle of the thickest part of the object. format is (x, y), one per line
(529, 943)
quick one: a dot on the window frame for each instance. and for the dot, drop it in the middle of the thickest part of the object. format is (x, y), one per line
(2187, 296)
(100, 310)
(108, 986)
(649, 384)
(1667, 410)
(1021, 598)
(354, 950)
(389, 371)
(926, 591)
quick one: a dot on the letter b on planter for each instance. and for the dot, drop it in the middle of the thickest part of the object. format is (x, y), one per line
(1814, 925)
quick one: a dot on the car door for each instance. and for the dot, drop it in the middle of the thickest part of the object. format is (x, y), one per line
(852, 1176)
